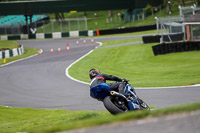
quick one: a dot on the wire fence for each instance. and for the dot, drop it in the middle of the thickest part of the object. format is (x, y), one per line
(170, 26)
(47, 26)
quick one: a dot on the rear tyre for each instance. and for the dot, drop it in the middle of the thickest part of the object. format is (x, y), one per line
(114, 106)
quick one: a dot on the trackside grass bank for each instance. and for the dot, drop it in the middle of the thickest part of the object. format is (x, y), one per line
(114, 42)
(8, 44)
(138, 64)
(47, 121)
(12, 44)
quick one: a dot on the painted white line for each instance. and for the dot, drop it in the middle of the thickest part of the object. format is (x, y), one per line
(41, 51)
(67, 69)
(158, 88)
(139, 88)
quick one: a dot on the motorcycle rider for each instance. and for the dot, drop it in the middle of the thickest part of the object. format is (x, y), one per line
(98, 78)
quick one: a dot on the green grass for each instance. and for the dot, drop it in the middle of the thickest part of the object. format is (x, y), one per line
(48, 121)
(23, 119)
(138, 64)
(8, 44)
(12, 44)
(114, 42)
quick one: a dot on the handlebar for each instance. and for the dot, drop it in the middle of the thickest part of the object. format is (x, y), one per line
(125, 81)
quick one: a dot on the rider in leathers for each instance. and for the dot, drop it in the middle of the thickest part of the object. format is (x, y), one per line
(98, 78)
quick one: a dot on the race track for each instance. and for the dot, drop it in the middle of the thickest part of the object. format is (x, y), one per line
(41, 82)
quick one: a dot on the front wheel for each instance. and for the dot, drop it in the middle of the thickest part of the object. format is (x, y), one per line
(114, 105)
(143, 105)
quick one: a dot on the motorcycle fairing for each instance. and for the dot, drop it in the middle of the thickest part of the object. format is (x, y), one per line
(133, 105)
(129, 88)
(100, 91)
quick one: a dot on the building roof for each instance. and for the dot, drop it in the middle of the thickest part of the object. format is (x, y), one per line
(193, 18)
(58, 6)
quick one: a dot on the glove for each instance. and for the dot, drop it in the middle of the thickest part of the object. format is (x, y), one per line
(125, 80)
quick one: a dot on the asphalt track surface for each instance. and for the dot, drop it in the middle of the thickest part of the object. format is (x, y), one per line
(41, 82)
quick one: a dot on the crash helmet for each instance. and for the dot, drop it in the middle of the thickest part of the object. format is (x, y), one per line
(93, 72)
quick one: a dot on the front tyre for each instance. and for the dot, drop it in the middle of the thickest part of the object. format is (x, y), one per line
(143, 105)
(114, 105)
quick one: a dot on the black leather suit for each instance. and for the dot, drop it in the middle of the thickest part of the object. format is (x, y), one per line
(101, 78)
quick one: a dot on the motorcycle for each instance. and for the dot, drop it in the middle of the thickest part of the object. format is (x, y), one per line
(117, 103)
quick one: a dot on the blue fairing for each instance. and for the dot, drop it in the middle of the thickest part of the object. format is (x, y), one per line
(130, 88)
(133, 105)
(100, 91)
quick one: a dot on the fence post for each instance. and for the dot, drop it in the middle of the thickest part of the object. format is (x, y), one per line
(157, 24)
(60, 26)
(52, 27)
(44, 30)
(69, 26)
(86, 23)
(78, 25)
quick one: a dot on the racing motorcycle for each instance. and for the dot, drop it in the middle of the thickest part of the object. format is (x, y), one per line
(117, 103)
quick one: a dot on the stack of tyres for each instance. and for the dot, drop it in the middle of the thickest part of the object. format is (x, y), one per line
(151, 39)
(175, 47)
(166, 48)
(186, 46)
(161, 49)
(198, 45)
(156, 50)
(16, 37)
(194, 45)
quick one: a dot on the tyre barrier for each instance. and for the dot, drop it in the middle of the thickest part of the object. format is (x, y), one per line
(173, 37)
(49, 35)
(127, 30)
(151, 39)
(12, 52)
(166, 38)
(166, 48)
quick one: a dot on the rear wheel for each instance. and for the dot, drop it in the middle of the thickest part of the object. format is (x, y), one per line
(115, 105)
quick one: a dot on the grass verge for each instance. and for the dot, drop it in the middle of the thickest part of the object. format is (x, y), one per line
(114, 42)
(8, 44)
(12, 44)
(41, 120)
(138, 64)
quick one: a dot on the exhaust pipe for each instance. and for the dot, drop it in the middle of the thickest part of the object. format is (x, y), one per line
(114, 93)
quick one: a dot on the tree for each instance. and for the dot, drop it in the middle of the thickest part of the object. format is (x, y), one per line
(198, 2)
(149, 9)
(183, 2)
